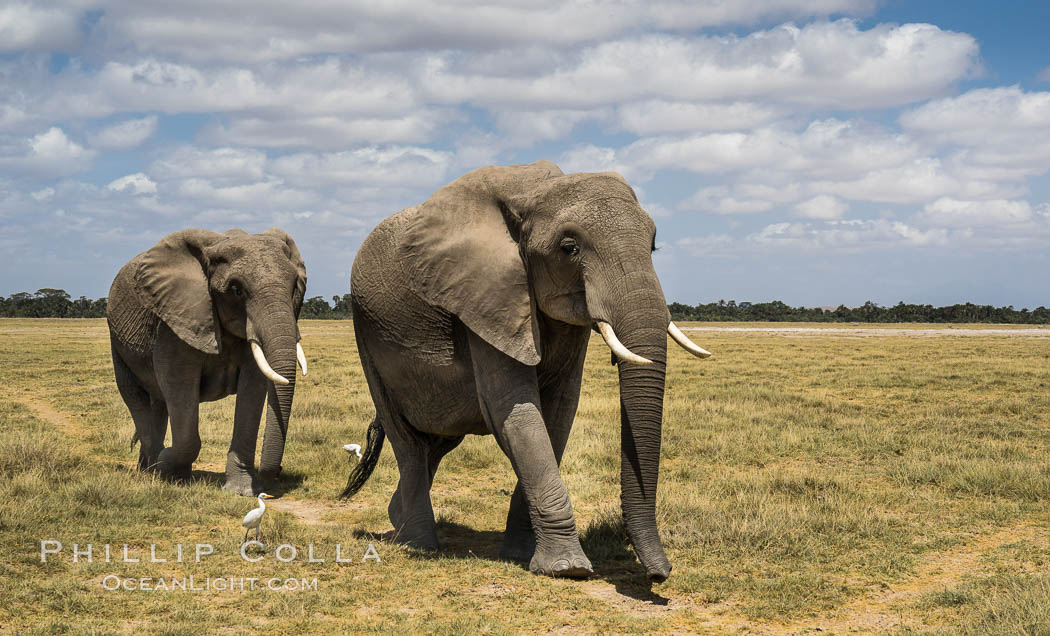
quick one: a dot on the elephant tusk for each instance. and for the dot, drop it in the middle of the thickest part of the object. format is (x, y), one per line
(620, 351)
(686, 343)
(300, 356)
(264, 366)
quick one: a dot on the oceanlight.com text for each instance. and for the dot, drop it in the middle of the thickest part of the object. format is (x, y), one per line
(113, 583)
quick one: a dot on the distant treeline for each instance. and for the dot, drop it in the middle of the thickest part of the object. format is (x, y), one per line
(776, 311)
(56, 303)
(51, 303)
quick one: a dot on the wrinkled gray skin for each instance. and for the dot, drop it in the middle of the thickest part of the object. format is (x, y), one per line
(181, 316)
(472, 315)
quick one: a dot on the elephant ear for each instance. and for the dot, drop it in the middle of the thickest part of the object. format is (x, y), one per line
(297, 262)
(618, 177)
(171, 281)
(461, 252)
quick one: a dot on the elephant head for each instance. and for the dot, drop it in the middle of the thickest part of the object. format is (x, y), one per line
(249, 286)
(503, 245)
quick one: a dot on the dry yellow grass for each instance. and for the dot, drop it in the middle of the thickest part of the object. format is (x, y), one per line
(835, 481)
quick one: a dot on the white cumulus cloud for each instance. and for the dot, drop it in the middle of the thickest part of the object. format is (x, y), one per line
(660, 116)
(864, 234)
(281, 32)
(824, 64)
(948, 212)
(720, 200)
(48, 154)
(403, 166)
(821, 207)
(27, 27)
(1004, 131)
(217, 164)
(54, 145)
(137, 183)
(125, 135)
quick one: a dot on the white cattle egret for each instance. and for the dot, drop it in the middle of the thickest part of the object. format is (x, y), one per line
(254, 517)
(353, 448)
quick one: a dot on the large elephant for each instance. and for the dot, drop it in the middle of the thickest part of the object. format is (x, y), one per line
(472, 313)
(200, 316)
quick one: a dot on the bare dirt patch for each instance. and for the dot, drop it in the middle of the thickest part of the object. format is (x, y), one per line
(721, 617)
(42, 409)
(310, 512)
(885, 609)
(869, 332)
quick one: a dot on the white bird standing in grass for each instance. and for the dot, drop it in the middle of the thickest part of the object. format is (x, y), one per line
(353, 448)
(254, 517)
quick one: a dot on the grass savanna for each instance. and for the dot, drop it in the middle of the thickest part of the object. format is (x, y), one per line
(808, 480)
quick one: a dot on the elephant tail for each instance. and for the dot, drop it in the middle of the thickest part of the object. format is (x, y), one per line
(134, 440)
(360, 474)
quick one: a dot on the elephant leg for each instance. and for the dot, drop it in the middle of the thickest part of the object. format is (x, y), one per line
(410, 509)
(158, 424)
(509, 396)
(559, 396)
(182, 398)
(519, 540)
(439, 447)
(150, 416)
(240, 459)
(177, 460)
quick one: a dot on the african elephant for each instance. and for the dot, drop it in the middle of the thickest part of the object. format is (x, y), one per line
(472, 313)
(200, 316)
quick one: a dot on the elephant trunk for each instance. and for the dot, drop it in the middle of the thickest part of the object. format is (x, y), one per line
(274, 329)
(639, 319)
(641, 421)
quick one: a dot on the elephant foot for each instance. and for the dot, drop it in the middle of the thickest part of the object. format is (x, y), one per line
(178, 474)
(572, 563)
(240, 487)
(148, 464)
(518, 546)
(393, 510)
(419, 533)
(424, 539)
(413, 521)
(172, 471)
(240, 478)
(270, 473)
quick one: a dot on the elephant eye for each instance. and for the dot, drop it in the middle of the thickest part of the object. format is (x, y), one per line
(235, 289)
(570, 247)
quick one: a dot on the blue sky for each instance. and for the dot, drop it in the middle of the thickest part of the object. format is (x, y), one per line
(813, 151)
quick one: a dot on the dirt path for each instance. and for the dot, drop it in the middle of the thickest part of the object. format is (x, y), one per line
(884, 610)
(41, 408)
(878, 611)
(312, 512)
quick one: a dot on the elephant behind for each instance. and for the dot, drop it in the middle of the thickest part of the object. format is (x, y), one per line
(472, 313)
(198, 317)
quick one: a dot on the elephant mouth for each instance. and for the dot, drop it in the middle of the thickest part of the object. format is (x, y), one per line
(264, 366)
(267, 370)
(623, 354)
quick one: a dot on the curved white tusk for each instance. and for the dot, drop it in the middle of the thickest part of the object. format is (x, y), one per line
(264, 366)
(686, 343)
(300, 356)
(621, 352)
